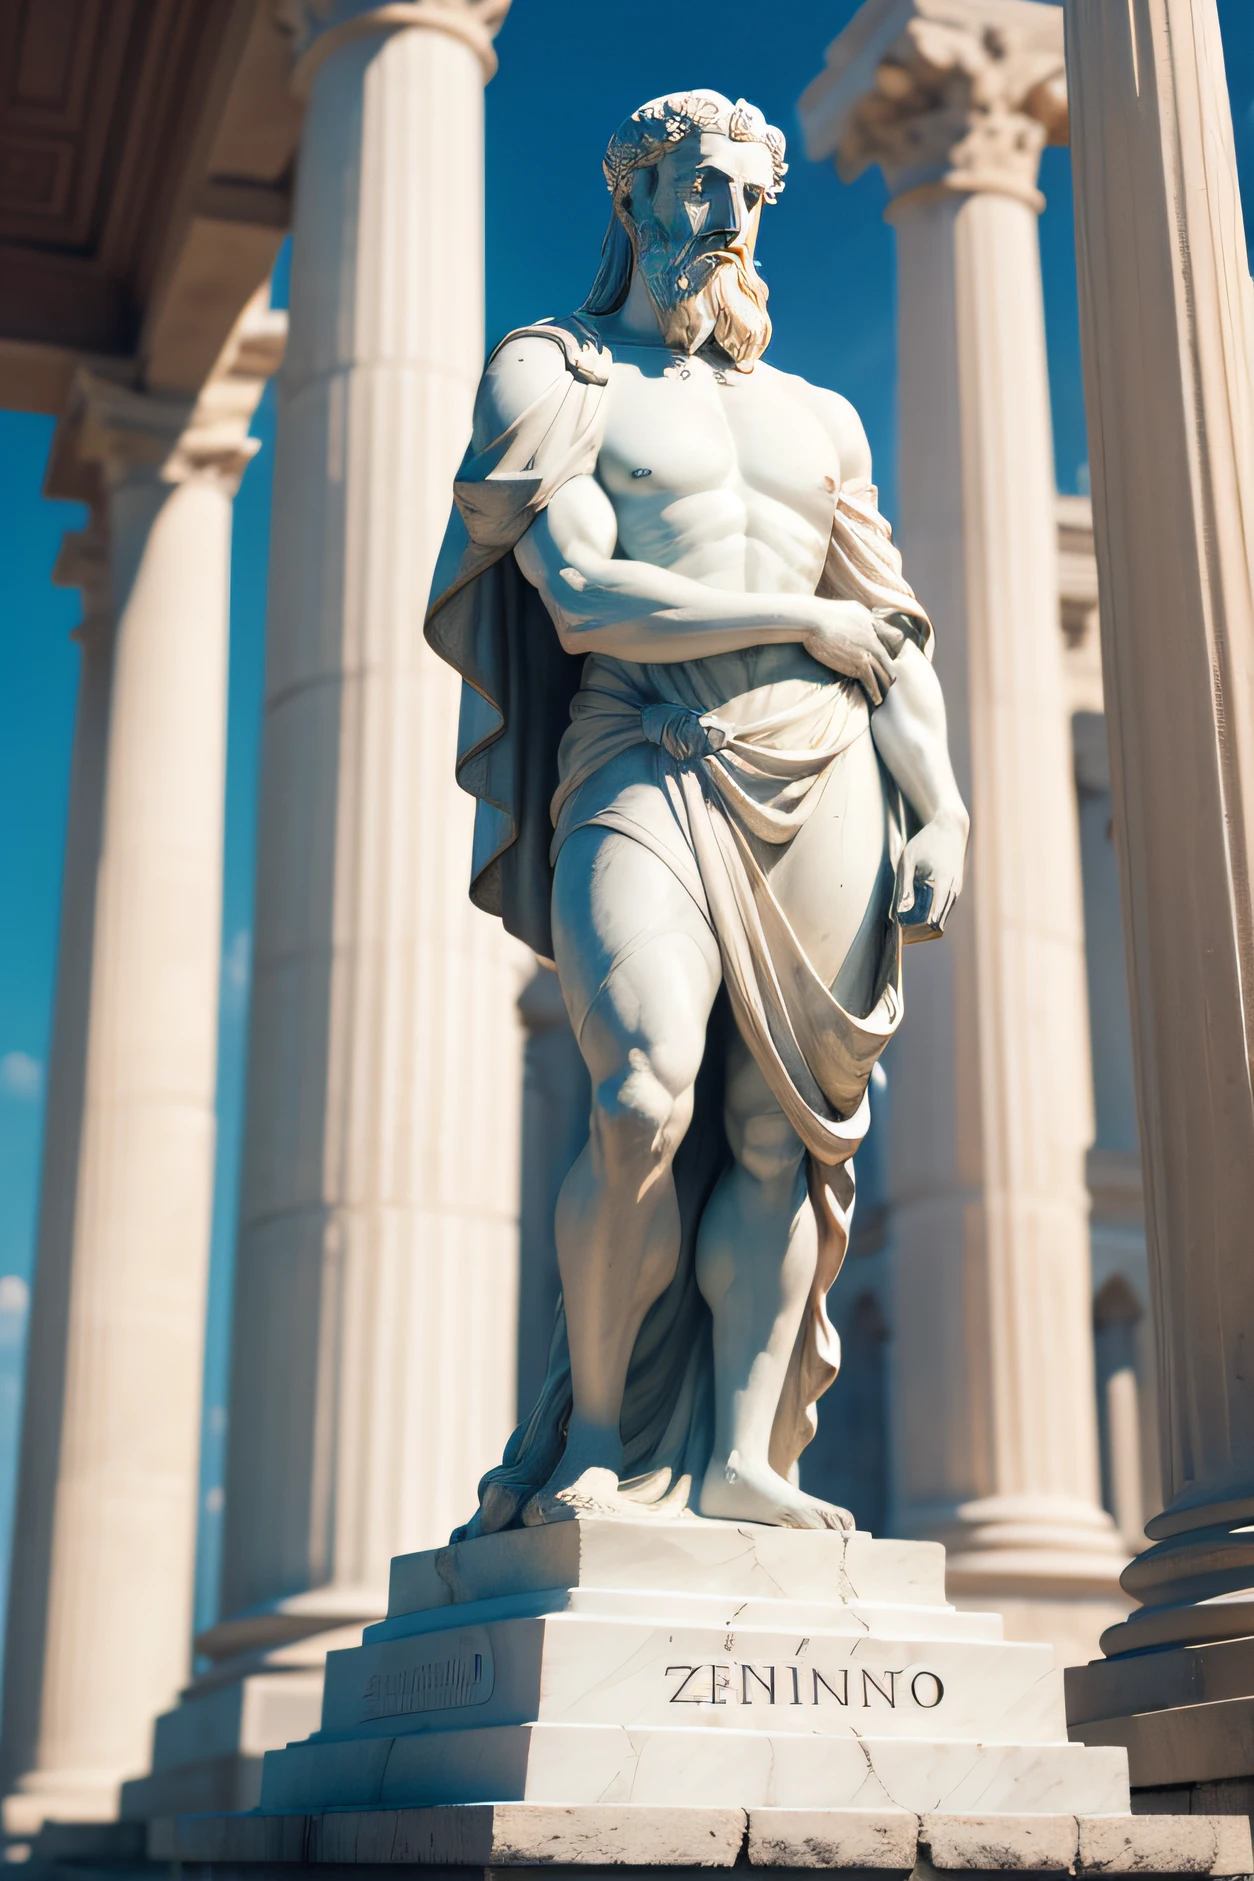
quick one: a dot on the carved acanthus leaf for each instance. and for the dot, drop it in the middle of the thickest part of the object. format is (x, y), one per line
(960, 105)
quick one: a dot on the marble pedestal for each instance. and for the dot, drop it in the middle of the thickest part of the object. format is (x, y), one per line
(689, 1663)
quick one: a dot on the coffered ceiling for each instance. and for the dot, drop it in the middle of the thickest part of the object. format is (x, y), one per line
(146, 149)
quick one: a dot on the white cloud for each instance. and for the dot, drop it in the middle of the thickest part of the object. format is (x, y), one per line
(14, 1295)
(21, 1075)
(215, 1500)
(237, 964)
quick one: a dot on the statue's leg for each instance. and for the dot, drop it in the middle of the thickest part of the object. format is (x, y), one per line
(756, 1256)
(639, 969)
(758, 1243)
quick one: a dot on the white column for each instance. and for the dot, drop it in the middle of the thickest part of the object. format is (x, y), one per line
(100, 1610)
(1166, 326)
(995, 1428)
(83, 563)
(375, 1295)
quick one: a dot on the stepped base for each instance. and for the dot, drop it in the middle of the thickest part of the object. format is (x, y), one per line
(692, 1663)
(483, 1841)
(1185, 1716)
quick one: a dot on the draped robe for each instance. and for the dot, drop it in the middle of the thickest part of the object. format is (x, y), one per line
(722, 778)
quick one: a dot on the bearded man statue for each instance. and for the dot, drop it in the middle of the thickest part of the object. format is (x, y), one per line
(709, 755)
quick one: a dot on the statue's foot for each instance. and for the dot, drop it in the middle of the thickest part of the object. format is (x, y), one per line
(591, 1492)
(740, 1492)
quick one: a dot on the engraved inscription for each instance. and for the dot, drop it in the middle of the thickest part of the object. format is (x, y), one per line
(887, 1691)
(931, 1684)
(766, 1681)
(442, 1673)
(701, 1684)
(841, 1696)
(763, 1684)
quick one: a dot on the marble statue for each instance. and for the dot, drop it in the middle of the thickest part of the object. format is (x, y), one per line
(713, 788)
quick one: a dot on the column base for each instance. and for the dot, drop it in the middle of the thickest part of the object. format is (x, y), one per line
(264, 1689)
(1184, 1715)
(1049, 1565)
(57, 1796)
(1072, 1624)
(1053, 1546)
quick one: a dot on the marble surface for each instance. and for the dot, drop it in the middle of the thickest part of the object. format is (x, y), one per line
(888, 1841)
(690, 1662)
(736, 1560)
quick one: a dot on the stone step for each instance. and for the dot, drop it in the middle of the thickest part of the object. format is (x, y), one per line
(886, 1619)
(887, 1841)
(742, 1559)
(589, 1763)
(577, 1669)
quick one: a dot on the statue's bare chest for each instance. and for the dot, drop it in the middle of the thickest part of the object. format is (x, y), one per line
(701, 447)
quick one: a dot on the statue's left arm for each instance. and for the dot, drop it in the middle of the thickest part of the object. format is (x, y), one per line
(910, 733)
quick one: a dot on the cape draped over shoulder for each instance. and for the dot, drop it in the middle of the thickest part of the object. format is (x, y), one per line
(519, 685)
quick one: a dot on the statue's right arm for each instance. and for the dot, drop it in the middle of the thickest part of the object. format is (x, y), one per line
(630, 610)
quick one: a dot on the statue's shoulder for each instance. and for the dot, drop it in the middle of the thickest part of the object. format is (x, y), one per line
(839, 419)
(564, 343)
(533, 361)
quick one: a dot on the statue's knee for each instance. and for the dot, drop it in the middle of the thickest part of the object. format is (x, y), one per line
(638, 1118)
(766, 1146)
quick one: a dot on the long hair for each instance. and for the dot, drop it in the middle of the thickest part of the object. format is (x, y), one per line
(609, 290)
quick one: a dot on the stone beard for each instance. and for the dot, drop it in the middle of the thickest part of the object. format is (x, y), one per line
(719, 296)
(686, 634)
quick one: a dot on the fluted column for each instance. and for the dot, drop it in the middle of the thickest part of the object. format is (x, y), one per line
(1167, 326)
(375, 1297)
(995, 1426)
(83, 563)
(100, 1607)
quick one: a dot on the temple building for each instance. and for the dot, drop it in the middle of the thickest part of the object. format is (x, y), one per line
(998, 1390)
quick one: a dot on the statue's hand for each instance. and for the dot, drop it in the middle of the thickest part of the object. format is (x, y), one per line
(929, 875)
(852, 641)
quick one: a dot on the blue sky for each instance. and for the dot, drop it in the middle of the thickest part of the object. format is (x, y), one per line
(828, 258)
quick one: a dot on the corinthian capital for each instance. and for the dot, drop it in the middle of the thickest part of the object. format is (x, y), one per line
(947, 95)
(319, 27)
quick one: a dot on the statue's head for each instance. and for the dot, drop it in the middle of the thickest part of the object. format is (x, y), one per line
(688, 175)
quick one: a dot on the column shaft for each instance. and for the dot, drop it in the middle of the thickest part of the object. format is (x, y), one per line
(994, 1408)
(84, 563)
(116, 1455)
(992, 1104)
(1168, 355)
(373, 1372)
